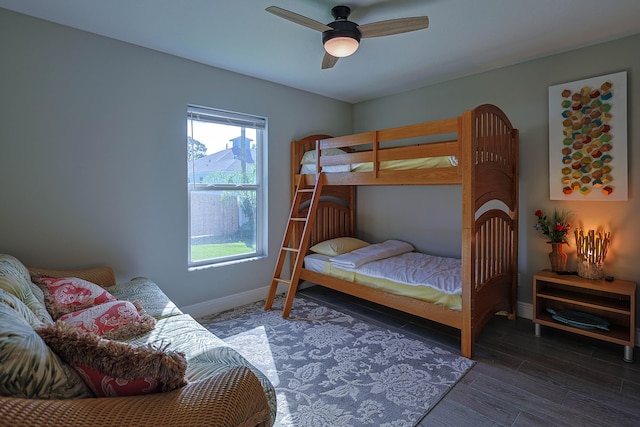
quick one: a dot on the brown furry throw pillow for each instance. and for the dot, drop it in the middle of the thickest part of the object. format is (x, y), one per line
(121, 361)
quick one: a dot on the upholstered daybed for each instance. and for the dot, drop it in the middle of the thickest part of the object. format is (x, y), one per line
(39, 388)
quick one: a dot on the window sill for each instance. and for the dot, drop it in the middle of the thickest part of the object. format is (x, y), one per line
(225, 263)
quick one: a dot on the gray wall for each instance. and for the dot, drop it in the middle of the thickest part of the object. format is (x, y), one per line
(93, 159)
(92, 155)
(431, 217)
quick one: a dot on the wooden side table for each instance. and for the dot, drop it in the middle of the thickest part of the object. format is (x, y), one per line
(613, 301)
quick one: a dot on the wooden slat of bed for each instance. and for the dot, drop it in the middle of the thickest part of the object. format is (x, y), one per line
(436, 176)
(413, 306)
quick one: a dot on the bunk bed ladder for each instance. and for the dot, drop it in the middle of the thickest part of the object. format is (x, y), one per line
(290, 245)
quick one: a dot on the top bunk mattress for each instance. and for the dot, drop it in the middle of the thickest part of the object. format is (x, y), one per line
(308, 163)
(437, 280)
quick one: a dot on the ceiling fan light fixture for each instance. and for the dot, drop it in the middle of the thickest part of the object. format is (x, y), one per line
(342, 40)
(341, 46)
(341, 37)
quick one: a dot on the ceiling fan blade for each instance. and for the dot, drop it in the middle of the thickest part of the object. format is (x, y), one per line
(393, 26)
(298, 19)
(328, 61)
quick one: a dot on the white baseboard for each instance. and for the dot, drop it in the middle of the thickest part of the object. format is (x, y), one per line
(525, 310)
(225, 303)
(232, 301)
(205, 308)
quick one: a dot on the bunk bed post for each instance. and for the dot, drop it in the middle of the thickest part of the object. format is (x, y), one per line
(515, 155)
(467, 165)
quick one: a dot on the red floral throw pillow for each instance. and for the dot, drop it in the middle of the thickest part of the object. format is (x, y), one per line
(116, 320)
(102, 385)
(69, 294)
(114, 368)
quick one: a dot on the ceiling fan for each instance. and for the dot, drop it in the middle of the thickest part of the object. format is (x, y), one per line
(342, 37)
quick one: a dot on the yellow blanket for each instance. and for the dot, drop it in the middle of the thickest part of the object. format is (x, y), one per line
(453, 302)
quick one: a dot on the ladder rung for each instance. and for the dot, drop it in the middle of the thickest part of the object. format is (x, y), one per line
(305, 190)
(277, 279)
(291, 249)
(299, 219)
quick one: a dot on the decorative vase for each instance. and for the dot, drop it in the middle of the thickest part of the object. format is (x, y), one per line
(557, 257)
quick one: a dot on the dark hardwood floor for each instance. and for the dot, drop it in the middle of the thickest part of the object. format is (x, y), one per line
(558, 379)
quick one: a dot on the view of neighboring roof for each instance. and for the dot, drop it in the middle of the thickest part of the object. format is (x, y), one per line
(222, 161)
(228, 160)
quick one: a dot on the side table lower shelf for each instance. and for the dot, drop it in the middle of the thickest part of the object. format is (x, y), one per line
(615, 334)
(612, 301)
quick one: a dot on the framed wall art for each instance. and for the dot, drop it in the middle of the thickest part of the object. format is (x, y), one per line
(588, 139)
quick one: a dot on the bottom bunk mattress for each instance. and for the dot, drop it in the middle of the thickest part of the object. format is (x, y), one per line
(437, 280)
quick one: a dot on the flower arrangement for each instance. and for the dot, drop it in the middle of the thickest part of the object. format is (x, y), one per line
(555, 228)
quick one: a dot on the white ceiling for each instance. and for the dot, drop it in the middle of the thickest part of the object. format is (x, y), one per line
(464, 37)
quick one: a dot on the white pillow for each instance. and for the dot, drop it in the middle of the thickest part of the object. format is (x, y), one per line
(338, 246)
(310, 156)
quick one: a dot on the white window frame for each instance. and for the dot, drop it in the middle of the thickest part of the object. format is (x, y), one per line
(240, 120)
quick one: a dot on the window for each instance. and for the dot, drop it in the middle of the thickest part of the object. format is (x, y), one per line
(224, 155)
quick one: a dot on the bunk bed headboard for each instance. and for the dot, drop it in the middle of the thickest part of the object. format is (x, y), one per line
(333, 219)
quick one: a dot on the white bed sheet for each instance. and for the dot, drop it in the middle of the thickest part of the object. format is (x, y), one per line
(413, 269)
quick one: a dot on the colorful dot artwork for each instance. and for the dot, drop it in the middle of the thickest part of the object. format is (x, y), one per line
(587, 140)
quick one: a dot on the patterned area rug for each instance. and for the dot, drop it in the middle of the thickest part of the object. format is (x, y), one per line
(333, 369)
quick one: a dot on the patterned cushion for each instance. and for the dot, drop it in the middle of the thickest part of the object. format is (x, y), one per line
(14, 278)
(16, 265)
(20, 308)
(112, 367)
(28, 368)
(37, 292)
(181, 332)
(114, 320)
(68, 294)
(154, 301)
(206, 354)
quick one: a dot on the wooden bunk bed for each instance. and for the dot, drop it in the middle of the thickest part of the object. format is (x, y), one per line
(482, 147)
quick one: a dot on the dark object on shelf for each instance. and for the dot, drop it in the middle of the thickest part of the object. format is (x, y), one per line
(579, 319)
(563, 273)
(609, 278)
